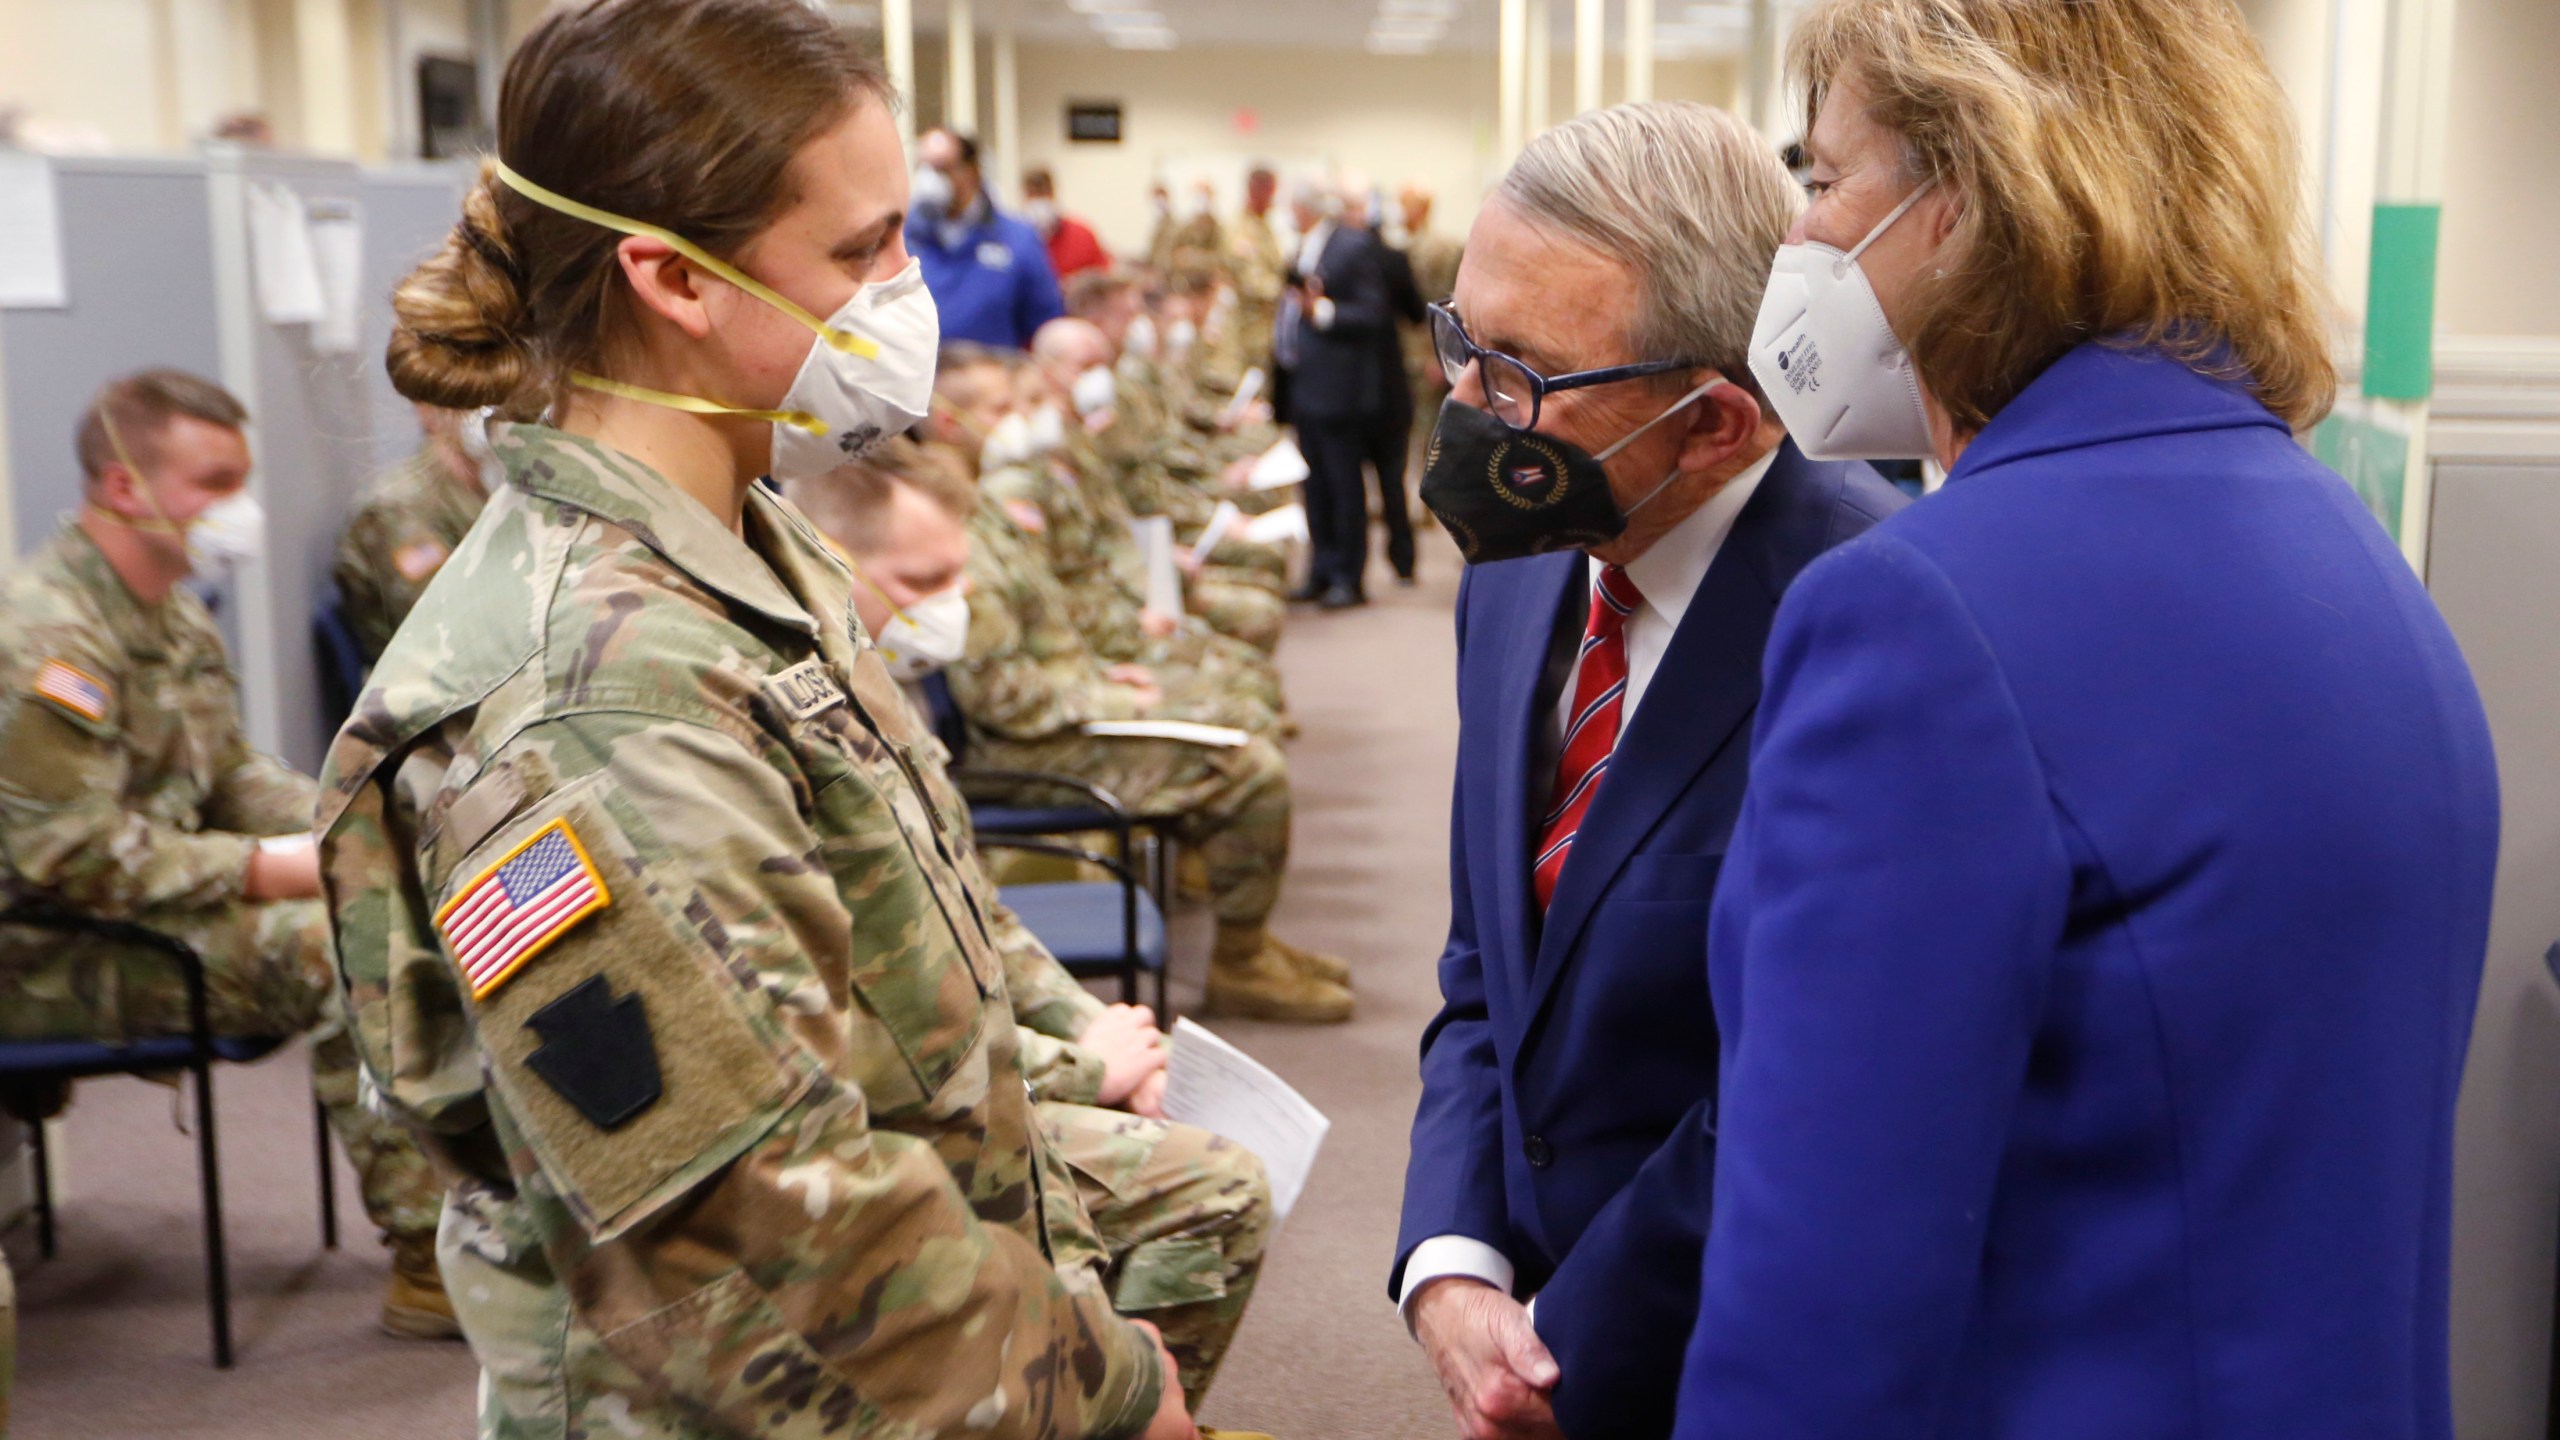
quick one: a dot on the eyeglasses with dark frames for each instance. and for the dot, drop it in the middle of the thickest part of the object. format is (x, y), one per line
(1514, 393)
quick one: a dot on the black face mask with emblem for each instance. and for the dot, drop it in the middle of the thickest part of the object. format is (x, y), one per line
(1503, 493)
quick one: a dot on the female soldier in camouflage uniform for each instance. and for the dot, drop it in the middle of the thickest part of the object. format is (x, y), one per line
(645, 915)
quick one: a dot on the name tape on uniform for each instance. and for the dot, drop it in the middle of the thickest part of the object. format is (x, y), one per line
(74, 689)
(805, 689)
(513, 910)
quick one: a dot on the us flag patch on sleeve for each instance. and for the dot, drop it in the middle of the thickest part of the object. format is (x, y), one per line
(513, 910)
(73, 688)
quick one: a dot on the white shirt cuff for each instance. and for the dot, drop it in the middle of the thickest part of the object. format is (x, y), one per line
(1444, 1257)
(1324, 321)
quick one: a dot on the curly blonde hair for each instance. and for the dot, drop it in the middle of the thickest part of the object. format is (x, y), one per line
(2127, 171)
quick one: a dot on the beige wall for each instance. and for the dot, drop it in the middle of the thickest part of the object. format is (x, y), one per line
(2502, 173)
(1428, 118)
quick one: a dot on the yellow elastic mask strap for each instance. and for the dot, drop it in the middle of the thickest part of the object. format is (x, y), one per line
(695, 405)
(833, 337)
(161, 523)
(897, 612)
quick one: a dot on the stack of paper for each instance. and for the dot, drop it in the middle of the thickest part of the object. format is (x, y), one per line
(1221, 520)
(1223, 736)
(1278, 527)
(1221, 1089)
(1280, 465)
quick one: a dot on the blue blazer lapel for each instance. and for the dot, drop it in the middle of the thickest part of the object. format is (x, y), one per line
(1699, 701)
(1519, 796)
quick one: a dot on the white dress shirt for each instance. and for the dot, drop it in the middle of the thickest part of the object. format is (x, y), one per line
(1669, 574)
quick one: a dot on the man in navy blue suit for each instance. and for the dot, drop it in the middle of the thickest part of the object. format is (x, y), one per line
(1604, 434)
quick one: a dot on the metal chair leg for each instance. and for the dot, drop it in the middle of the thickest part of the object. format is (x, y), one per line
(328, 1178)
(217, 1264)
(44, 1190)
(1164, 996)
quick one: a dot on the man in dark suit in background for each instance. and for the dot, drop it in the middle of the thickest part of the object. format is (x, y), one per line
(1565, 1138)
(1337, 379)
(1391, 440)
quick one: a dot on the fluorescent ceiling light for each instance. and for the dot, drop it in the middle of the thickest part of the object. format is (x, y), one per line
(1398, 45)
(1406, 27)
(1441, 9)
(1138, 39)
(1728, 13)
(1106, 7)
(1130, 20)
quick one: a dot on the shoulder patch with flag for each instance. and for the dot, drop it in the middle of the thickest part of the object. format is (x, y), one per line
(513, 910)
(74, 689)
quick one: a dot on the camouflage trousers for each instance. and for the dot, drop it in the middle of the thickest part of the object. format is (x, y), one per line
(1230, 803)
(1183, 1215)
(267, 972)
(1203, 668)
(1242, 606)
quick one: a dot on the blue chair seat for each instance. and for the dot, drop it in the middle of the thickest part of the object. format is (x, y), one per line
(1038, 819)
(158, 1052)
(1080, 922)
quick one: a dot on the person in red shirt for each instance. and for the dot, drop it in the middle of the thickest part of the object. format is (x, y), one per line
(1071, 242)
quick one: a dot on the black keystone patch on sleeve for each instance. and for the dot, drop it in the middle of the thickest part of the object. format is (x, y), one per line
(597, 1053)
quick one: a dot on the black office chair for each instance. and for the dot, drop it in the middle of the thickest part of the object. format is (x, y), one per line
(40, 1066)
(1094, 927)
(342, 663)
(1005, 802)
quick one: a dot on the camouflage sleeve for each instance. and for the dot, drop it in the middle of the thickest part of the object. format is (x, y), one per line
(260, 795)
(1045, 997)
(65, 825)
(1007, 690)
(365, 579)
(745, 1236)
(1058, 1069)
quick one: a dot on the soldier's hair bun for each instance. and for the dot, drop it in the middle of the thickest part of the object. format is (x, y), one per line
(458, 335)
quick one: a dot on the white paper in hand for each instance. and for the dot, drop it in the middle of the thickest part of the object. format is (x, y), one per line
(1280, 465)
(1221, 520)
(1278, 527)
(1246, 389)
(1221, 1089)
(1154, 534)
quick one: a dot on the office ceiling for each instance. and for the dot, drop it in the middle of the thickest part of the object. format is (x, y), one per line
(1682, 28)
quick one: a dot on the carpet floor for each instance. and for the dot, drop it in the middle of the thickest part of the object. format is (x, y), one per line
(113, 1341)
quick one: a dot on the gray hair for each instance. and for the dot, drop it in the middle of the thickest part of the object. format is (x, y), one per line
(1692, 200)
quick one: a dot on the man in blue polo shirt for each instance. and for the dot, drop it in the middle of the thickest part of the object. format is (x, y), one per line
(989, 272)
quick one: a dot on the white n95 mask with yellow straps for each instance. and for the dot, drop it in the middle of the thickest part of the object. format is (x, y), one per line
(869, 374)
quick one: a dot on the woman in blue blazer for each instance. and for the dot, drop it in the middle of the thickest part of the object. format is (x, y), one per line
(2096, 951)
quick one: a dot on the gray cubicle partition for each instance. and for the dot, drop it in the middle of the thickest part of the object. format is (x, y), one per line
(158, 268)
(327, 423)
(2493, 563)
(138, 261)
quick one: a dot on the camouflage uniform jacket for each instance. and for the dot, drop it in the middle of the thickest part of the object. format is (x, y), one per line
(1084, 542)
(405, 528)
(1261, 270)
(1435, 259)
(1029, 673)
(741, 1142)
(126, 784)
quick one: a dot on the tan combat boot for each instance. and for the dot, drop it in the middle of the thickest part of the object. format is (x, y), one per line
(414, 1305)
(1314, 962)
(1251, 978)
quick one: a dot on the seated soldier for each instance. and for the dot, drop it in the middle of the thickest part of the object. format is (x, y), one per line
(128, 792)
(1183, 1213)
(409, 521)
(1027, 685)
(1082, 534)
(1153, 465)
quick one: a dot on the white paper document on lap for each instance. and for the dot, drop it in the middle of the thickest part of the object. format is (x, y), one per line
(1225, 737)
(1221, 1089)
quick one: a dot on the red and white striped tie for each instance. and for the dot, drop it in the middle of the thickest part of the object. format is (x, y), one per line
(1599, 699)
